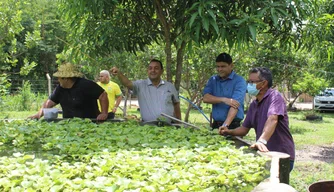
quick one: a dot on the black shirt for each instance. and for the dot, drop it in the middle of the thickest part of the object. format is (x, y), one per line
(80, 100)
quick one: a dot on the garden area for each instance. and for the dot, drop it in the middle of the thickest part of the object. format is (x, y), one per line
(78, 155)
(294, 39)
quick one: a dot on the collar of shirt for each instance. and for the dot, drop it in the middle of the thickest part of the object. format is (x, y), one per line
(265, 95)
(231, 76)
(149, 82)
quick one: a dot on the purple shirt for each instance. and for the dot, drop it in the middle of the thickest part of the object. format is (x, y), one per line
(257, 115)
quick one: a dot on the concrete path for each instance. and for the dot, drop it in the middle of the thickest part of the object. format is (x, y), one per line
(303, 106)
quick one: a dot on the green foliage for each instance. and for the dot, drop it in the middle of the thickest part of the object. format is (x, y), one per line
(318, 37)
(32, 35)
(10, 26)
(114, 25)
(240, 22)
(79, 155)
(4, 84)
(310, 84)
(24, 100)
(199, 66)
(26, 95)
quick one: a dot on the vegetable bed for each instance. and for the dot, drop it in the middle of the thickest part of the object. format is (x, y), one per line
(77, 155)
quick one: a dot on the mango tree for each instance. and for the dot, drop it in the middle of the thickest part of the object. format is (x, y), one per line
(319, 38)
(103, 26)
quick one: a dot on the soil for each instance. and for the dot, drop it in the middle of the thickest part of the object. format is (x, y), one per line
(316, 153)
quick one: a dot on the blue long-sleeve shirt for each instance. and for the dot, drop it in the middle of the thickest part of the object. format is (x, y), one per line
(234, 86)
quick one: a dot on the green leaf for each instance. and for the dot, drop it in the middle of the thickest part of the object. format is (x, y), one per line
(192, 19)
(212, 15)
(215, 26)
(252, 29)
(274, 16)
(205, 21)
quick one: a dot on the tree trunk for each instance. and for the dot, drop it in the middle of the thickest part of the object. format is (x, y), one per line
(179, 62)
(294, 100)
(186, 117)
(167, 35)
(168, 51)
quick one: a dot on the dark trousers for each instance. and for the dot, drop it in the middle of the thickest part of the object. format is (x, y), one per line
(233, 125)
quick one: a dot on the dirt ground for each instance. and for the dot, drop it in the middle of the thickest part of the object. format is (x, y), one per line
(316, 153)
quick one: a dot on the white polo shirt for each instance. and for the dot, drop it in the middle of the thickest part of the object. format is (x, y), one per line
(155, 100)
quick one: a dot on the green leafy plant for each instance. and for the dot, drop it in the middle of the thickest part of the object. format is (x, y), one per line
(78, 155)
(23, 100)
(4, 84)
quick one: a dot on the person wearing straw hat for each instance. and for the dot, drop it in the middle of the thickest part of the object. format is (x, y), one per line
(76, 95)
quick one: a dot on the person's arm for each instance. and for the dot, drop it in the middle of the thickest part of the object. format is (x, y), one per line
(118, 101)
(103, 99)
(47, 104)
(268, 131)
(232, 112)
(177, 110)
(208, 98)
(240, 131)
(124, 80)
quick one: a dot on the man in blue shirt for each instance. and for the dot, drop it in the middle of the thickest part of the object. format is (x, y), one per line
(226, 92)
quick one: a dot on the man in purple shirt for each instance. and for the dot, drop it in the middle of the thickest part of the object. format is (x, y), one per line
(267, 115)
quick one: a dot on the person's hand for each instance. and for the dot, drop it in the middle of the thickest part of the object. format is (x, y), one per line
(102, 117)
(223, 130)
(114, 71)
(114, 109)
(36, 116)
(260, 146)
(231, 102)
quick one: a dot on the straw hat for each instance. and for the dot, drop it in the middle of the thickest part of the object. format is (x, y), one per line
(68, 70)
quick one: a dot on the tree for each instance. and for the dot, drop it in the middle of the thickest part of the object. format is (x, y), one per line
(10, 26)
(319, 38)
(309, 84)
(130, 25)
(199, 65)
(31, 30)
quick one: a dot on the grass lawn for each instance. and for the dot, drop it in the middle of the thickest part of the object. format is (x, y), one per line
(315, 149)
(314, 142)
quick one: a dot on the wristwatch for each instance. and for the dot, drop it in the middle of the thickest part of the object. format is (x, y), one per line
(225, 125)
(263, 141)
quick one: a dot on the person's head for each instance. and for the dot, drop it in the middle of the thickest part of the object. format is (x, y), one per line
(104, 77)
(260, 79)
(67, 73)
(155, 70)
(224, 65)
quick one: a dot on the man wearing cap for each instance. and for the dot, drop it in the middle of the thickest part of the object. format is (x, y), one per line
(76, 95)
(113, 91)
(226, 92)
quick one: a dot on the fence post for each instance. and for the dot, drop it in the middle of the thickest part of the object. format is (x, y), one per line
(49, 83)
